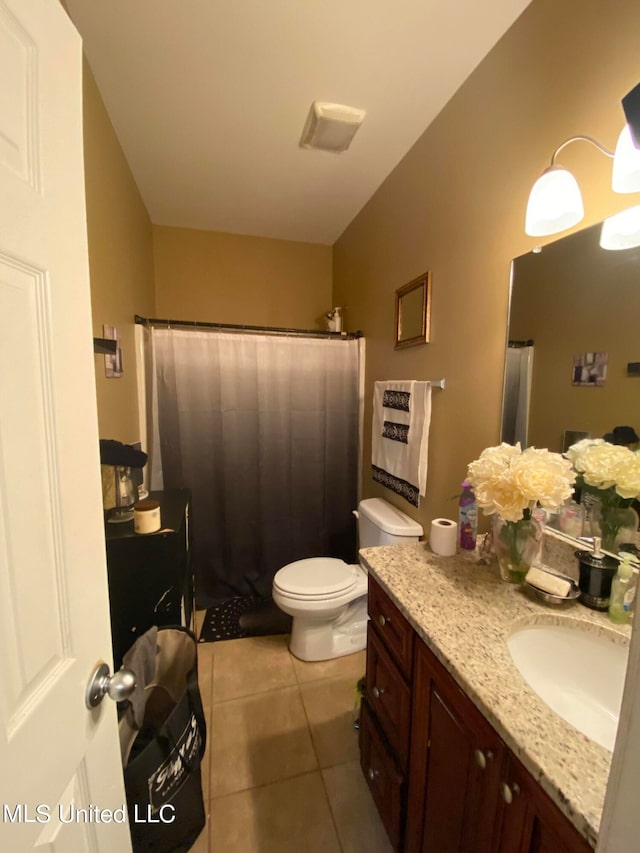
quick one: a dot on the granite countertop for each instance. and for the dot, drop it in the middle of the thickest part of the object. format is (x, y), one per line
(464, 613)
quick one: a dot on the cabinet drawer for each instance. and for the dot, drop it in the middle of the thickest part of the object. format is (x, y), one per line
(382, 776)
(389, 697)
(391, 625)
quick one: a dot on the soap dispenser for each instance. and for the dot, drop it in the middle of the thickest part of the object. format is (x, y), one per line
(623, 590)
(596, 574)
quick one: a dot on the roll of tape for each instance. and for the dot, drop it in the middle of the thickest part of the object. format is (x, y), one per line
(443, 537)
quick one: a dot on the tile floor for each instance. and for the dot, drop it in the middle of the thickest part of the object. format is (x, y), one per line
(281, 772)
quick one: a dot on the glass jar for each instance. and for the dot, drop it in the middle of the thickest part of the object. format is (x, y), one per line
(616, 525)
(126, 494)
(571, 519)
(516, 544)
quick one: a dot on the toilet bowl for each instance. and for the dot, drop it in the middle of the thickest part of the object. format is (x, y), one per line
(327, 597)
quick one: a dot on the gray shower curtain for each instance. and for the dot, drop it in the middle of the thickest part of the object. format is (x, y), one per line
(264, 431)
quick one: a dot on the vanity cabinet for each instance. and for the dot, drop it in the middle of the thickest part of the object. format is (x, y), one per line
(442, 778)
(385, 719)
(150, 575)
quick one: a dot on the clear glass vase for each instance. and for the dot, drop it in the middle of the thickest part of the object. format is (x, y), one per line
(516, 544)
(614, 524)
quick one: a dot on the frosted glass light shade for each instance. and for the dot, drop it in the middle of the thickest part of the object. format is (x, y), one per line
(621, 231)
(555, 203)
(625, 177)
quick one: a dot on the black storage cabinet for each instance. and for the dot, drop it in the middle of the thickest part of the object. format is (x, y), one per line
(150, 575)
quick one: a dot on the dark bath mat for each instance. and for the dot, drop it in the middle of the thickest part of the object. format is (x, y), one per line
(243, 616)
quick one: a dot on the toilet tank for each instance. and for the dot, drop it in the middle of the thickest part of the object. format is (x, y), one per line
(380, 523)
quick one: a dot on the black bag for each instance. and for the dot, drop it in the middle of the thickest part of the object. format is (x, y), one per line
(162, 760)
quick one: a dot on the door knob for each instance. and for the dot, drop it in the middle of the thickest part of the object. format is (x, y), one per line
(119, 686)
(382, 619)
(377, 692)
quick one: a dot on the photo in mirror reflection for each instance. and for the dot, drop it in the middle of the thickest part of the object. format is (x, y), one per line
(590, 368)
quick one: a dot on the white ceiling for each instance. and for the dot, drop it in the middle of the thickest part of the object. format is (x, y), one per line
(209, 99)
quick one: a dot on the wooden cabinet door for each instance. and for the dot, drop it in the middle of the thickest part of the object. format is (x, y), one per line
(448, 766)
(383, 777)
(455, 767)
(529, 822)
(463, 774)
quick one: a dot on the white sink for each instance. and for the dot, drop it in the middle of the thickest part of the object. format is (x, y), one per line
(578, 673)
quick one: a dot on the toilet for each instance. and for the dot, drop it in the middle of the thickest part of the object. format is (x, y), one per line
(327, 597)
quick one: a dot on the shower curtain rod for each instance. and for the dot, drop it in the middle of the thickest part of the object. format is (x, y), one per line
(255, 330)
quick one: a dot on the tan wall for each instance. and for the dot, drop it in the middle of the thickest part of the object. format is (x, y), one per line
(227, 278)
(455, 205)
(120, 261)
(596, 308)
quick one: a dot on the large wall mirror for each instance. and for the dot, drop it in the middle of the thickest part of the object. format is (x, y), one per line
(575, 309)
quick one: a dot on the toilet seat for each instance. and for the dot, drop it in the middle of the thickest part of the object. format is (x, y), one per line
(316, 578)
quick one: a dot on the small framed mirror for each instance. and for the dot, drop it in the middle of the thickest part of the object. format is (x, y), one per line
(413, 312)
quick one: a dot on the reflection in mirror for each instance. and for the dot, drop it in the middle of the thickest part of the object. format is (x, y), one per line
(413, 310)
(573, 304)
(573, 300)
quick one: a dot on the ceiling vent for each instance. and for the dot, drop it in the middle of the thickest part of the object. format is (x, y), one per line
(331, 127)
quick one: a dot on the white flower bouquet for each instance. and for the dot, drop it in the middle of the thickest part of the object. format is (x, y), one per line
(601, 465)
(611, 473)
(509, 483)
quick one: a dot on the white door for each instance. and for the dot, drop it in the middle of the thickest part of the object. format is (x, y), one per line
(54, 624)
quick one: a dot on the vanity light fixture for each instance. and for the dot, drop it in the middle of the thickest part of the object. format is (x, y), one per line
(625, 177)
(555, 200)
(622, 231)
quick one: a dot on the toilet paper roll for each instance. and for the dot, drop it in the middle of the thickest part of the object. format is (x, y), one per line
(443, 537)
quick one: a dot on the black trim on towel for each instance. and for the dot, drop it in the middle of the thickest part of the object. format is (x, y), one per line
(396, 400)
(396, 432)
(401, 487)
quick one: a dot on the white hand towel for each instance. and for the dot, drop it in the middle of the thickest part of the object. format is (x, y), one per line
(400, 437)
